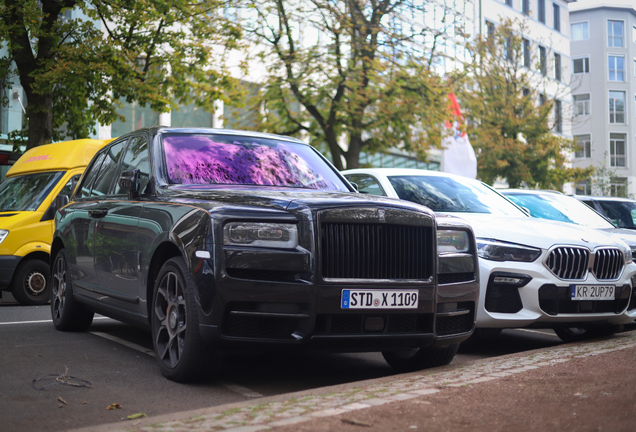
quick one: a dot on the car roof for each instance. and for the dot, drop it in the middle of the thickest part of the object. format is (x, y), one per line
(602, 198)
(154, 130)
(404, 171)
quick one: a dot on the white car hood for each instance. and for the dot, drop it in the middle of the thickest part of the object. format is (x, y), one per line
(541, 233)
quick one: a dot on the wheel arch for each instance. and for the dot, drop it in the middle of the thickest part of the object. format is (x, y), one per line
(163, 253)
(56, 246)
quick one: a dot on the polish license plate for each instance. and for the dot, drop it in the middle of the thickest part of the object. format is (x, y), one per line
(592, 292)
(379, 299)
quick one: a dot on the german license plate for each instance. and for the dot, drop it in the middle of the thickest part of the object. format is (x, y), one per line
(380, 299)
(592, 292)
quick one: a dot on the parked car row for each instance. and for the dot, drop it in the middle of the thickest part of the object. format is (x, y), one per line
(221, 240)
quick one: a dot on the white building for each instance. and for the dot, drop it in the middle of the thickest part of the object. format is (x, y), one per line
(603, 52)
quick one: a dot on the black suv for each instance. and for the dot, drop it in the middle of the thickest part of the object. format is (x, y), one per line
(219, 240)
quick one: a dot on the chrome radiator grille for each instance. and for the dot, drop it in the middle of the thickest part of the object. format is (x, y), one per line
(569, 262)
(376, 251)
(572, 263)
(608, 264)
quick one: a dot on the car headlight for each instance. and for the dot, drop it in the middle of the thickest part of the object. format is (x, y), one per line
(3, 235)
(628, 254)
(263, 234)
(496, 250)
(451, 241)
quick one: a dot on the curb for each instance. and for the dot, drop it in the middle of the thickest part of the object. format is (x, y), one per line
(289, 409)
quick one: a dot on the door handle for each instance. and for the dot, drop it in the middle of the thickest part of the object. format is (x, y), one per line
(98, 213)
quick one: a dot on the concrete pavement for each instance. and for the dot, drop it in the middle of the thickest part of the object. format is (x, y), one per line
(375, 402)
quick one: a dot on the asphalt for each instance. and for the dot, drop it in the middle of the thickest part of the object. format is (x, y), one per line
(378, 402)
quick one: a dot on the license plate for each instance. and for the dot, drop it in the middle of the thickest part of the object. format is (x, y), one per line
(379, 299)
(592, 292)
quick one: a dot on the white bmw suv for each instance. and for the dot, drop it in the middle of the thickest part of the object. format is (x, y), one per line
(533, 272)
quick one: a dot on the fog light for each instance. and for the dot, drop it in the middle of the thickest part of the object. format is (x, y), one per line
(508, 280)
(373, 324)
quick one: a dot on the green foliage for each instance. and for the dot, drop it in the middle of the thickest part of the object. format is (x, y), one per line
(75, 71)
(512, 133)
(360, 83)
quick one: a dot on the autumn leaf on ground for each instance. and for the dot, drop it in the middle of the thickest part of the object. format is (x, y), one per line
(114, 406)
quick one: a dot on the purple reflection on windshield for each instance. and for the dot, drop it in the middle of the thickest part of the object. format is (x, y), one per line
(201, 160)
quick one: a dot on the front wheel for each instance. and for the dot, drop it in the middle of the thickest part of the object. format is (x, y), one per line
(182, 354)
(67, 313)
(31, 283)
(414, 359)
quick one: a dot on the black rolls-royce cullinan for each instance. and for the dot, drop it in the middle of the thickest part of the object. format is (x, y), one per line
(218, 240)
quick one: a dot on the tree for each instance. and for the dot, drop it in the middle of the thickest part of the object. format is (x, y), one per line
(511, 120)
(76, 71)
(352, 75)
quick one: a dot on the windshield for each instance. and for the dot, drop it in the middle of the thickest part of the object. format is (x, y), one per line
(229, 160)
(453, 195)
(26, 192)
(560, 208)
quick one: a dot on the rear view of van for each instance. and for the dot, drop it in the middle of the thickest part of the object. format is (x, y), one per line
(27, 210)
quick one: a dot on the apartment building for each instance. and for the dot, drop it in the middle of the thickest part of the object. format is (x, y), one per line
(603, 51)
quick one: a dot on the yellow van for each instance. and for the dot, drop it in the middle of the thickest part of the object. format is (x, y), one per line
(27, 209)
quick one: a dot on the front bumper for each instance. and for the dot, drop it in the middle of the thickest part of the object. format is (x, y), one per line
(8, 264)
(542, 300)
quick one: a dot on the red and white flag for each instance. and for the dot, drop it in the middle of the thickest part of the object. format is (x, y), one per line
(458, 155)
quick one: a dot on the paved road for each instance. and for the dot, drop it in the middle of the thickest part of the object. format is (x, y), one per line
(118, 363)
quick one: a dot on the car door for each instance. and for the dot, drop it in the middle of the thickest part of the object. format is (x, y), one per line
(117, 259)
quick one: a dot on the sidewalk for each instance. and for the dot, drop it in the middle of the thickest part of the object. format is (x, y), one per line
(576, 387)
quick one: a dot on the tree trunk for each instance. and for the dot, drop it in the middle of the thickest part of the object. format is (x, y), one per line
(40, 111)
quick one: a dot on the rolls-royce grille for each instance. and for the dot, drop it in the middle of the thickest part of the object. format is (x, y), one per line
(376, 251)
(569, 262)
(608, 264)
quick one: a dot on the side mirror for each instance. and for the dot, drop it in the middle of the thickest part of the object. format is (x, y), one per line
(59, 202)
(129, 179)
(526, 211)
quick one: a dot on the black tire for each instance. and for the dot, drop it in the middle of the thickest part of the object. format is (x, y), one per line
(414, 359)
(67, 313)
(31, 284)
(182, 354)
(578, 334)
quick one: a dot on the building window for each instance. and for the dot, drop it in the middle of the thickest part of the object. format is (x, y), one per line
(617, 150)
(582, 104)
(509, 48)
(618, 187)
(616, 68)
(558, 117)
(584, 188)
(557, 67)
(617, 106)
(615, 33)
(526, 53)
(580, 31)
(490, 30)
(509, 3)
(581, 65)
(584, 146)
(556, 16)
(525, 7)
(543, 67)
(541, 8)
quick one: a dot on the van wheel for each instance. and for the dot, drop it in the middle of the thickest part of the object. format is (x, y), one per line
(182, 354)
(31, 285)
(414, 359)
(67, 313)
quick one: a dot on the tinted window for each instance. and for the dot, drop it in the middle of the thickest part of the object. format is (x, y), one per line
(108, 172)
(90, 175)
(366, 184)
(236, 160)
(622, 214)
(449, 194)
(136, 157)
(26, 193)
(69, 187)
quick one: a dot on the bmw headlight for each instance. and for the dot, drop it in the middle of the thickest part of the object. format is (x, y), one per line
(262, 234)
(628, 253)
(3, 235)
(496, 250)
(449, 241)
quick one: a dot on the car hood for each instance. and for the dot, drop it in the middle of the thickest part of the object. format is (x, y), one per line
(281, 199)
(626, 235)
(535, 232)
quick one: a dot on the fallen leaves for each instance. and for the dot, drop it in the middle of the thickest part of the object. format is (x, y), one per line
(114, 406)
